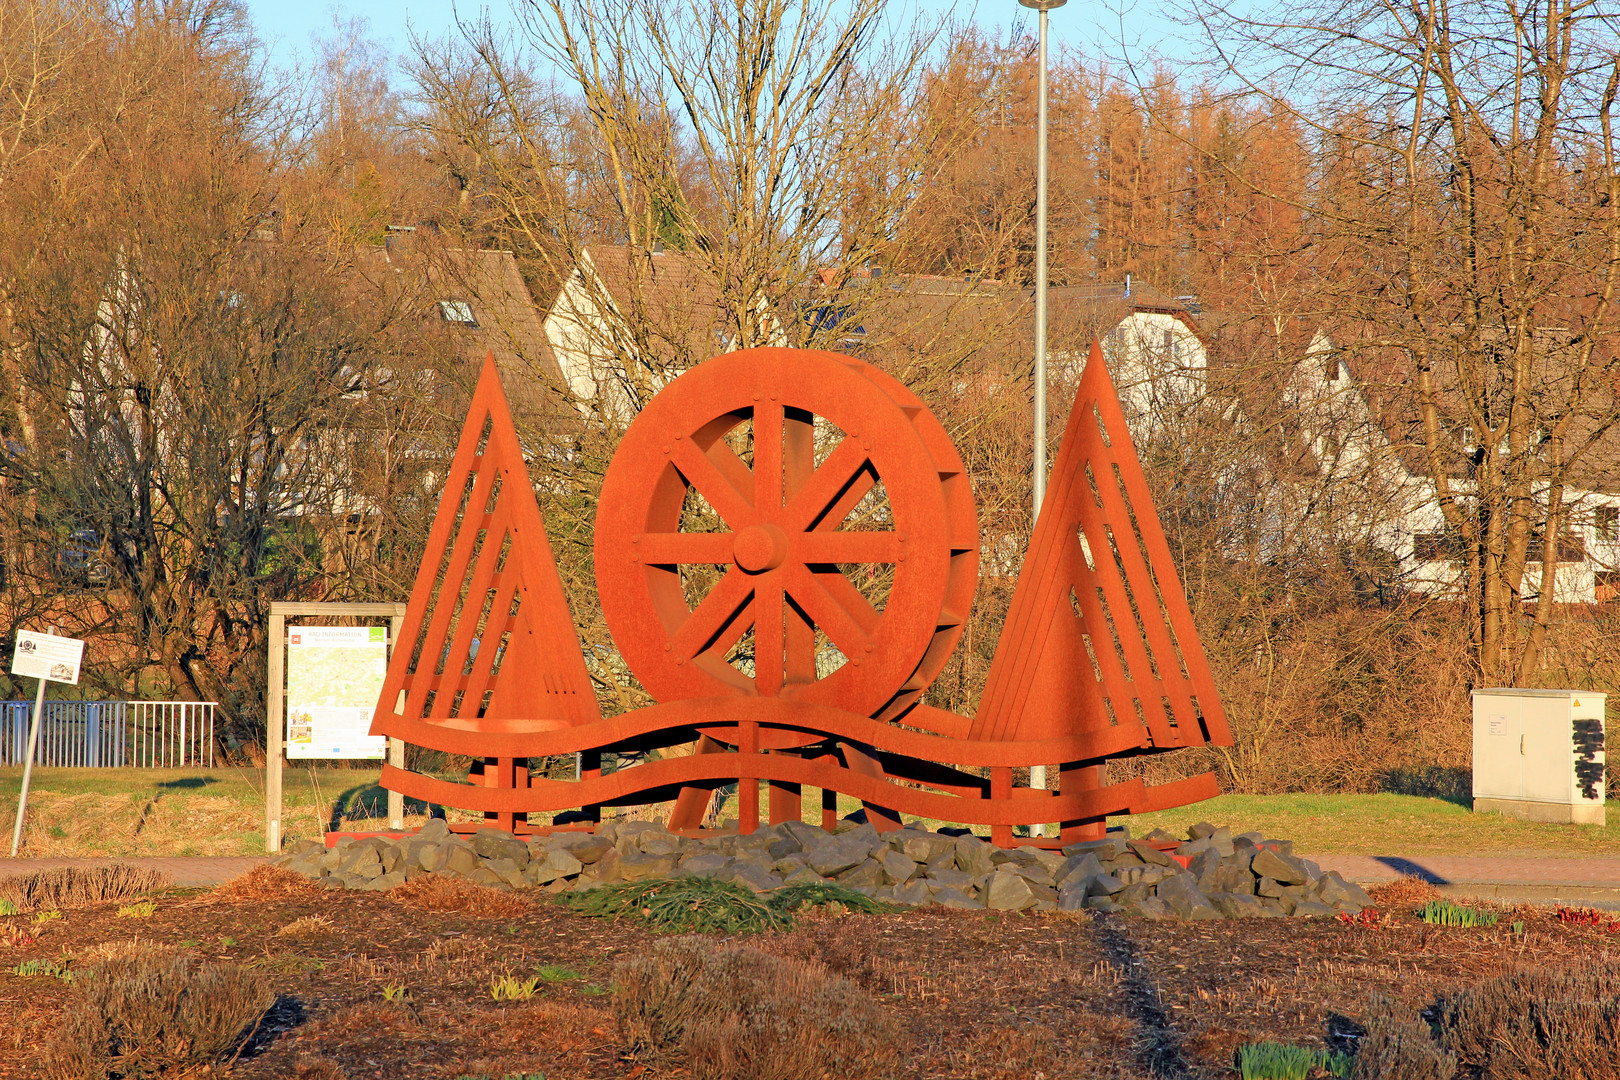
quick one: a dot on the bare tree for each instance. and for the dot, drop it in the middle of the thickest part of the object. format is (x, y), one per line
(1466, 197)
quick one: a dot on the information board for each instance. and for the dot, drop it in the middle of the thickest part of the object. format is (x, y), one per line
(334, 674)
(47, 656)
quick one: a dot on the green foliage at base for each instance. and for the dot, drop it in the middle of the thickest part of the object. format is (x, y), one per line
(1281, 1061)
(694, 905)
(1446, 913)
(790, 898)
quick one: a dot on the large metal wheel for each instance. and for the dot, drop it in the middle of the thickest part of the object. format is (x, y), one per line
(787, 523)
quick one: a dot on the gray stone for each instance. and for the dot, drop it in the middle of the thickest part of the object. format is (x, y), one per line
(1237, 905)
(836, 854)
(1072, 895)
(1121, 861)
(638, 866)
(1036, 875)
(755, 877)
(658, 842)
(1080, 865)
(897, 867)
(1102, 904)
(782, 848)
(1185, 899)
(559, 862)
(1204, 867)
(911, 894)
(955, 898)
(1149, 907)
(585, 847)
(1132, 893)
(1101, 884)
(806, 834)
(383, 882)
(1351, 894)
(483, 875)
(434, 829)
(458, 859)
(1201, 831)
(493, 844)
(1230, 878)
(1106, 849)
(803, 876)
(705, 864)
(1268, 888)
(505, 869)
(1305, 909)
(950, 879)
(789, 865)
(868, 873)
(1150, 855)
(1192, 847)
(926, 847)
(973, 855)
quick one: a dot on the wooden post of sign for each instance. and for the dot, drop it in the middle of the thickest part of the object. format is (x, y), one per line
(275, 702)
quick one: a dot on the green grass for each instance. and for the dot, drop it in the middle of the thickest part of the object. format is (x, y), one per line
(221, 812)
(1385, 825)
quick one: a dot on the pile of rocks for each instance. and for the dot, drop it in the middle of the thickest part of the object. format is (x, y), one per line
(1225, 876)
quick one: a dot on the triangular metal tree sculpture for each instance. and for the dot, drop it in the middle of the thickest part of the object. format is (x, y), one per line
(488, 652)
(786, 547)
(1099, 636)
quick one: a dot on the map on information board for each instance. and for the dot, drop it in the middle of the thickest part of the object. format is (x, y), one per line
(334, 674)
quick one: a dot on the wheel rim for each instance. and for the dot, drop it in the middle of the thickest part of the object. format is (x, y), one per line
(777, 523)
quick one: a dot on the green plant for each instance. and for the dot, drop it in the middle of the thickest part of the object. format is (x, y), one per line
(735, 1013)
(396, 992)
(141, 909)
(8, 906)
(790, 898)
(154, 1013)
(226, 941)
(1283, 1061)
(695, 905)
(57, 969)
(557, 973)
(46, 916)
(511, 988)
(1447, 913)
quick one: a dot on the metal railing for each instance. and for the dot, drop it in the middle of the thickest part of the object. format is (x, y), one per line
(111, 734)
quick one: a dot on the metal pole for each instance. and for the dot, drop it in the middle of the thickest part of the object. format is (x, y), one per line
(1037, 773)
(28, 768)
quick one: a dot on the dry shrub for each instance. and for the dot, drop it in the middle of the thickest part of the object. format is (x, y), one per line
(1397, 1046)
(735, 1013)
(846, 947)
(435, 892)
(154, 1014)
(266, 883)
(74, 886)
(1529, 1025)
(1406, 892)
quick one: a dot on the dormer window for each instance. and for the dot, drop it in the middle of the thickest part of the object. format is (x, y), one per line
(457, 311)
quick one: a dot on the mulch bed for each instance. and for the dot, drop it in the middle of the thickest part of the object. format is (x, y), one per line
(978, 995)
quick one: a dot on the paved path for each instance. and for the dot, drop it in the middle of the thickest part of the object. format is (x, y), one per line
(187, 871)
(1593, 881)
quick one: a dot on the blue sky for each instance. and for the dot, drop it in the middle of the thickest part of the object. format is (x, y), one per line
(288, 27)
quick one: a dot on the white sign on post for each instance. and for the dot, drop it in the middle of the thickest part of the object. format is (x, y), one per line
(46, 656)
(334, 676)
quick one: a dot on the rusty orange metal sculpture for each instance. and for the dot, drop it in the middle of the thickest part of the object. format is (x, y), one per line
(786, 551)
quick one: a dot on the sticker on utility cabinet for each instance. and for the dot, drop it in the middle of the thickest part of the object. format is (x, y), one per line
(1498, 725)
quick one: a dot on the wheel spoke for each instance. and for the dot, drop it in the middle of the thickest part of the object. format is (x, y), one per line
(829, 546)
(719, 613)
(677, 549)
(827, 485)
(768, 641)
(708, 473)
(837, 607)
(768, 457)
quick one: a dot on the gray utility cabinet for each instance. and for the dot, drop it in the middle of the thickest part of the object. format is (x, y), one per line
(1538, 754)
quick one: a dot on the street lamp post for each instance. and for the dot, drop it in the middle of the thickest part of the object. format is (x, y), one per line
(1037, 773)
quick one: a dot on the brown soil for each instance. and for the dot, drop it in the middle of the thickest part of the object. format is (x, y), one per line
(978, 995)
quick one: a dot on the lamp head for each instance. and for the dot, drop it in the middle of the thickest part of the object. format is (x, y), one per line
(1043, 5)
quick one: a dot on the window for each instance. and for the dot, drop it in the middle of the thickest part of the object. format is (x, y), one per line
(1607, 521)
(1438, 547)
(1468, 440)
(457, 311)
(1607, 586)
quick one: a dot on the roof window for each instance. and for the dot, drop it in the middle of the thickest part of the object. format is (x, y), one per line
(457, 311)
